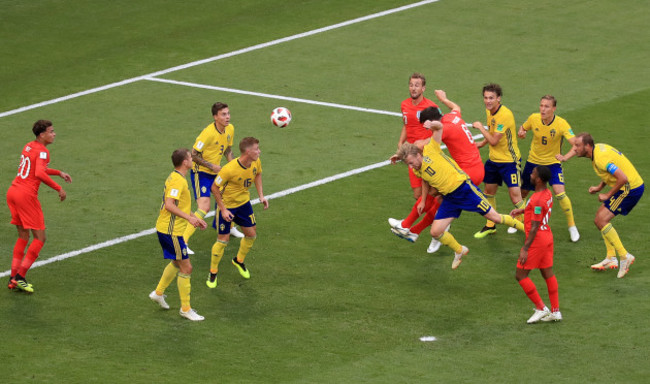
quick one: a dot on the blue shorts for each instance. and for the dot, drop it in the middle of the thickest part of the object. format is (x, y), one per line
(467, 197)
(174, 247)
(557, 177)
(498, 173)
(243, 216)
(202, 182)
(622, 202)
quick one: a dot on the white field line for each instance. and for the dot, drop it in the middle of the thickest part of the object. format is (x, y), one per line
(219, 57)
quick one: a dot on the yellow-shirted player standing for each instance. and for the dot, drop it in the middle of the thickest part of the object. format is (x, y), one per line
(626, 189)
(549, 132)
(175, 213)
(212, 144)
(504, 163)
(231, 192)
(441, 173)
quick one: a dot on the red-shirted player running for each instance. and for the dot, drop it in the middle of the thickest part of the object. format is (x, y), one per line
(413, 130)
(537, 252)
(462, 148)
(22, 198)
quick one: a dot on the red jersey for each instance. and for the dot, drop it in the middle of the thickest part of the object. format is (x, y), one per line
(411, 116)
(459, 141)
(538, 208)
(33, 169)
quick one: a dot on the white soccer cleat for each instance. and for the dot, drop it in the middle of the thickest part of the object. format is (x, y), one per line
(434, 246)
(625, 265)
(405, 234)
(458, 257)
(553, 316)
(394, 223)
(512, 230)
(575, 235)
(189, 251)
(159, 299)
(538, 315)
(608, 263)
(235, 232)
(191, 315)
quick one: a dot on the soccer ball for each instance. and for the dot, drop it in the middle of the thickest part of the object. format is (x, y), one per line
(281, 117)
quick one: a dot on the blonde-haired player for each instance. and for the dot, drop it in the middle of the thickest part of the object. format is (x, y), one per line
(549, 131)
(231, 192)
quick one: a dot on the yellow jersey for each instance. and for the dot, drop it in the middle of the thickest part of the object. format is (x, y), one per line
(212, 144)
(606, 159)
(234, 181)
(507, 149)
(175, 187)
(547, 139)
(440, 170)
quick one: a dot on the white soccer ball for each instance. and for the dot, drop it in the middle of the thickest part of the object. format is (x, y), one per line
(281, 117)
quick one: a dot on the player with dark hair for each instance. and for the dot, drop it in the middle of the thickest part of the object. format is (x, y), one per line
(504, 162)
(413, 130)
(462, 149)
(626, 189)
(441, 173)
(175, 213)
(549, 132)
(537, 252)
(22, 198)
(230, 190)
(213, 143)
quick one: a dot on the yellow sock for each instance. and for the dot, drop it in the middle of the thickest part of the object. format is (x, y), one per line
(511, 222)
(184, 288)
(218, 249)
(244, 247)
(168, 275)
(449, 240)
(611, 251)
(190, 229)
(520, 205)
(492, 199)
(565, 204)
(610, 234)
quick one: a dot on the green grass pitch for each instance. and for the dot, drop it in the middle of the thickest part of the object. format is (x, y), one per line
(334, 297)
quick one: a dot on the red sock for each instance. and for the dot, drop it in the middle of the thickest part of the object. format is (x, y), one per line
(551, 284)
(428, 217)
(32, 254)
(531, 291)
(410, 219)
(19, 253)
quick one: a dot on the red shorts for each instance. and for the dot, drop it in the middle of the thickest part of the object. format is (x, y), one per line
(25, 209)
(539, 257)
(416, 182)
(475, 173)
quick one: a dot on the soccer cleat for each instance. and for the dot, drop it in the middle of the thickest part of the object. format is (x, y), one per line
(189, 251)
(405, 234)
(434, 246)
(553, 316)
(625, 265)
(608, 263)
(458, 257)
(11, 285)
(512, 230)
(212, 280)
(484, 232)
(394, 223)
(235, 232)
(191, 315)
(23, 285)
(159, 299)
(241, 268)
(573, 232)
(538, 315)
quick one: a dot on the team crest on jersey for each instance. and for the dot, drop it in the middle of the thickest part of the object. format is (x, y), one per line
(28, 148)
(228, 138)
(255, 171)
(553, 132)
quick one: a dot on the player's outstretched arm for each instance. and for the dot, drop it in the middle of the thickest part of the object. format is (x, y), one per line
(260, 192)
